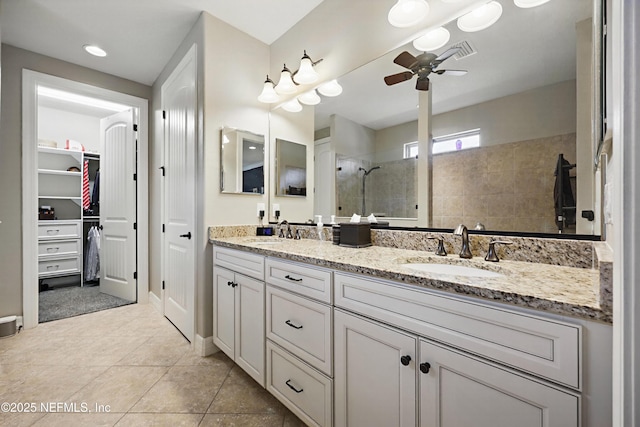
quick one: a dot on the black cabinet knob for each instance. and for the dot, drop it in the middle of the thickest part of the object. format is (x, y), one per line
(405, 360)
(425, 367)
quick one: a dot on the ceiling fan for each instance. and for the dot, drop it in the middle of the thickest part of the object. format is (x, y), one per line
(422, 65)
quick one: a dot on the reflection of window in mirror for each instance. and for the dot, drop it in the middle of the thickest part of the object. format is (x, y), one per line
(411, 150)
(291, 159)
(241, 162)
(456, 141)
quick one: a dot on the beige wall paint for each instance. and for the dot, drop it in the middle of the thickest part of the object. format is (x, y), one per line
(13, 61)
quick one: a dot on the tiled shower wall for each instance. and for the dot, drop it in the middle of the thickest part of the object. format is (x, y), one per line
(505, 187)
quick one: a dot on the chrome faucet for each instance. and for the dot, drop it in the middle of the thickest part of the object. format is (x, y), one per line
(281, 233)
(461, 230)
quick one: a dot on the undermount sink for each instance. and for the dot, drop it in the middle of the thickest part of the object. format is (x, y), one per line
(452, 270)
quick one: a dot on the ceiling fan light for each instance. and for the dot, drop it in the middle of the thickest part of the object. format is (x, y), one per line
(310, 98)
(268, 95)
(406, 13)
(292, 106)
(433, 40)
(330, 88)
(525, 4)
(285, 84)
(480, 18)
(306, 74)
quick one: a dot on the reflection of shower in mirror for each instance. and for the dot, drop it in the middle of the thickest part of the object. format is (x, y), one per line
(364, 179)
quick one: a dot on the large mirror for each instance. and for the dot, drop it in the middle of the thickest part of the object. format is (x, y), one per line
(291, 168)
(526, 106)
(241, 162)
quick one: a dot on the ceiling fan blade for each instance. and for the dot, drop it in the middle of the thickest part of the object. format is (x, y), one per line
(422, 84)
(397, 78)
(405, 59)
(452, 72)
(446, 55)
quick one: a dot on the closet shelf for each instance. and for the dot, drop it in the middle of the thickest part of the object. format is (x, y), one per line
(59, 197)
(58, 172)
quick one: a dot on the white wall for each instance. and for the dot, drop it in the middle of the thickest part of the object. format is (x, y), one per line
(390, 141)
(58, 125)
(351, 139)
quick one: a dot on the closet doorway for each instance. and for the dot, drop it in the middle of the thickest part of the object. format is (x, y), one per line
(84, 187)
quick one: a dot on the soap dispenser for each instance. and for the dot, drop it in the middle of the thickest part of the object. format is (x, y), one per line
(319, 226)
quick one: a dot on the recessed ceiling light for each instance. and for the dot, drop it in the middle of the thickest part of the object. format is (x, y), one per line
(252, 147)
(480, 18)
(529, 3)
(94, 50)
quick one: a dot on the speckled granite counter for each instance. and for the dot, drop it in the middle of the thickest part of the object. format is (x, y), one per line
(568, 291)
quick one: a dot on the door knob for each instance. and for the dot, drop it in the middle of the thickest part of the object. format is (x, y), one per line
(101, 227)
(405, 360)
(425, 367)
(188, 235)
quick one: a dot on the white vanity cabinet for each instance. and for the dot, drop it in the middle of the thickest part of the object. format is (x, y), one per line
(428, 344)
(238, 309)
(299, 339)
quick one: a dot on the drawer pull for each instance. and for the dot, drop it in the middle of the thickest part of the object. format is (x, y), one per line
(293, 388)
(292, 278)
(49, 267)
(425, 367)
(51, 230)
(405, 360)
(53, 249)
(288, 322)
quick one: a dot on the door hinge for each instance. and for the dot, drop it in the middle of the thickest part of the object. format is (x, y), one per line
(135, 127)
(135, 176)
(164, 114)
(163, 228)
(135, 275)
(162, 169)
(135, 225)
(163, 285)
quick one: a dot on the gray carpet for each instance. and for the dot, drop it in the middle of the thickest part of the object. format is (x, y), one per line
(60, 303)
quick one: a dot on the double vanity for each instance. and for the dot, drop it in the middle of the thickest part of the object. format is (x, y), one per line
(386, 336)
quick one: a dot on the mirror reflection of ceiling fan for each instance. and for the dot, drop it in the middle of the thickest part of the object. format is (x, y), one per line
(422, 65)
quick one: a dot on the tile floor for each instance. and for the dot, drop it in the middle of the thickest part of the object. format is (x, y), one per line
(134, 361)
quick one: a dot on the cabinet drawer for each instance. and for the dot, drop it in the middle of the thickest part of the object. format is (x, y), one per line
(47, 248)
(302, 389)
(301, 326)
(58, 267)
(545, 347)
(240, 261)
(59, 230)
(299, 278)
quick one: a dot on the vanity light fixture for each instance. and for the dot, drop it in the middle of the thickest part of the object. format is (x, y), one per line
(406, 13)
(292, 106)
(330, 88)
(433, 40)
(285, 85)
(94, 50)
(268, 95)
(306, 74)
(310, 98)
(480, 18)
(525, 4)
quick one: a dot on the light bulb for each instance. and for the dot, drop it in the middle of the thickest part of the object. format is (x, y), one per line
(309, 98)
(433, 40)
(285, 84)
(306, 74)
(480, 18)
(268, 95)
(330, 88)
(406, 13)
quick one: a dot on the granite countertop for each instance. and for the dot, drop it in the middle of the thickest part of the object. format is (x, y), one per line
(568, 291)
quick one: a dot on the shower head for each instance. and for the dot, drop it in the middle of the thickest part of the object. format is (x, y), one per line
(367, 172)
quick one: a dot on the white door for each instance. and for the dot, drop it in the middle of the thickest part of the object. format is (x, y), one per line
(179, 265)
(375, 375)
(118, 206)
(459, 390)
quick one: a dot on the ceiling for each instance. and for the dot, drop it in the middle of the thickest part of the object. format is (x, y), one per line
(525, 49)
(140, 36)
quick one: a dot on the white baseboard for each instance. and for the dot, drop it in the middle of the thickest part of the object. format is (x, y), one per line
(155, 302)
(204, 346)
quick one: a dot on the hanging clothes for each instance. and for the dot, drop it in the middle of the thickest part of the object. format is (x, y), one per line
(86, 197)
(563, 195)
(92, 257)
(95, 196)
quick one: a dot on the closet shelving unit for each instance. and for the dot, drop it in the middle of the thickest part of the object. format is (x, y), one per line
(59, 242)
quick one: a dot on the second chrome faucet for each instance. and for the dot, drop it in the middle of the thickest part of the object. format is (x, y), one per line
(465, 251)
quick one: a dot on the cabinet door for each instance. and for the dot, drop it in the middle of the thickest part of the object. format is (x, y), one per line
(224, 311)
(250, 327)
(372, 385)
(460, 390)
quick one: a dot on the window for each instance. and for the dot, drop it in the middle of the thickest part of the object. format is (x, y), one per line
(411, 150)
(456, 141)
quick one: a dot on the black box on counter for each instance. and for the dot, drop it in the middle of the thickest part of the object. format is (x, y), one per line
(355, 234)
(264, 231)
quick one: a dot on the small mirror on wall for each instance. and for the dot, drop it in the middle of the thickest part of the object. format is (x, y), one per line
(291, 170)
(241, 162)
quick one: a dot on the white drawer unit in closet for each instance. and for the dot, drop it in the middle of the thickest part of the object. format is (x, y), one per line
(49, 248)
(58, 266)
(302, 389)
(299, 278)
(59, 230)
(301, 326)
